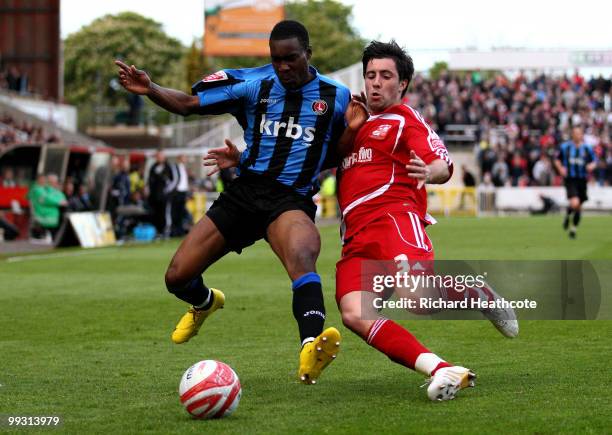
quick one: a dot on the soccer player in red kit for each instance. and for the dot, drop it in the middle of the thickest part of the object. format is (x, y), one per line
(393, 153)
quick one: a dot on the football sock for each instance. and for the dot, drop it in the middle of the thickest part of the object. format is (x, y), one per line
(402, 347)
(308, 306)
(567, 218)
(576, 218)
(195, 293)
(208, 301)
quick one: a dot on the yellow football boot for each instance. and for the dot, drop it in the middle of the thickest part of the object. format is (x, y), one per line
(317, 355)
(190, 323)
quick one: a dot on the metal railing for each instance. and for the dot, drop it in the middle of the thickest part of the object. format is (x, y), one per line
(214, 137)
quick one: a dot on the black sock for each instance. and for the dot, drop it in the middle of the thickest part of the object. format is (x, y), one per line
(194, 293)
(308, 305)
(576, 218)
(567, 218)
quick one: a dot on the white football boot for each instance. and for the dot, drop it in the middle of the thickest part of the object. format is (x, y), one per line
(447, 381)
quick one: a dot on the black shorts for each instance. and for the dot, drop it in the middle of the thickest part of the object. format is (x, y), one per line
(244, 210)
(576, 187)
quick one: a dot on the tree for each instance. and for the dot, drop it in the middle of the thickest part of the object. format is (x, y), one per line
(335, 44)
(196, 65)
(437, 69)
(89, 54)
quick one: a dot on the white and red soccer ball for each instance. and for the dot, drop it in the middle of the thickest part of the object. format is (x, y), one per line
(210, 389)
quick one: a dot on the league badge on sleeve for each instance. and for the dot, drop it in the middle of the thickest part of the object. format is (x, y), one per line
(216, 77)
(436, 142)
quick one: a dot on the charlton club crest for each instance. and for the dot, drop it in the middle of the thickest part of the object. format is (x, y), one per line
(319, 107)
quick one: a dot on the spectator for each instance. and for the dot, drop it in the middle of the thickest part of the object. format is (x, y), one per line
(500, 171)
(8, 178)
(160, 176)
(137, 183)
(120, 187)
(548, 205)
(85, 198)
(179, 223)
(518, 167)
(76, 202)
(543, 171)
(467, 177)
(47, 199)
(135, 104)
(17, 81)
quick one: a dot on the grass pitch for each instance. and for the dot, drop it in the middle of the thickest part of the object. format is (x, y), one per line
(86, 336)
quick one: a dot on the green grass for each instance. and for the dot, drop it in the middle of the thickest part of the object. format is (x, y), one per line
(87, 337)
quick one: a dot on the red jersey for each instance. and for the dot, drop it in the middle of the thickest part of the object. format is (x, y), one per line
(373, 178)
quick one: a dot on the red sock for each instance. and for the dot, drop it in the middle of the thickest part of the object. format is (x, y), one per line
(402, 347)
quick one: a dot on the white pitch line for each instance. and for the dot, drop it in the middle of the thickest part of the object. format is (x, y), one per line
(56, 255)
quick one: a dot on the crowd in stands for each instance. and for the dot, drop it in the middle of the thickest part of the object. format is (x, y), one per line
(521, 121)
(13, 132)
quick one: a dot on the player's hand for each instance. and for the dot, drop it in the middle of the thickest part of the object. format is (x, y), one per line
(418, 169)
(357, 112)
(563, 172)
(222, 158)
(134, 80)
(590, 167)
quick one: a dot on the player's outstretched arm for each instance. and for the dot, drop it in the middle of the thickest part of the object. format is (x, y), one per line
(222, 158)
(138, 82)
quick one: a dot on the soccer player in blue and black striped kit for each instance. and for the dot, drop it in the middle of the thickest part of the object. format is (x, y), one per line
(292, 119)
(574, 160)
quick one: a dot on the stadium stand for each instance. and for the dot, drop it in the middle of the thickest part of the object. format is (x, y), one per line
(518, 123)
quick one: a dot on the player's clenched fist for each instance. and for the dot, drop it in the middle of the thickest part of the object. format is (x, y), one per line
(134, 80)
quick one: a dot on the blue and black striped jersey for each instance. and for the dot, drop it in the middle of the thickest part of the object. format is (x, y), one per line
(575, 158)
(288, 132)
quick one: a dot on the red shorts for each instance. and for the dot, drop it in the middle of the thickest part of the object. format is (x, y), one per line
(394, 240)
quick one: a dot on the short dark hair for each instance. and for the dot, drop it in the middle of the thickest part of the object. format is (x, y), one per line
(288, 29)
(383, 50)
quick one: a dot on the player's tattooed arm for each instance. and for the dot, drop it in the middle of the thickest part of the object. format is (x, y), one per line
(138, 82)
(437, 172)
(356, 115)
(222, 158)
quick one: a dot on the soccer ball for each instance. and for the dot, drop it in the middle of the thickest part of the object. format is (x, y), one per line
(210, 389)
